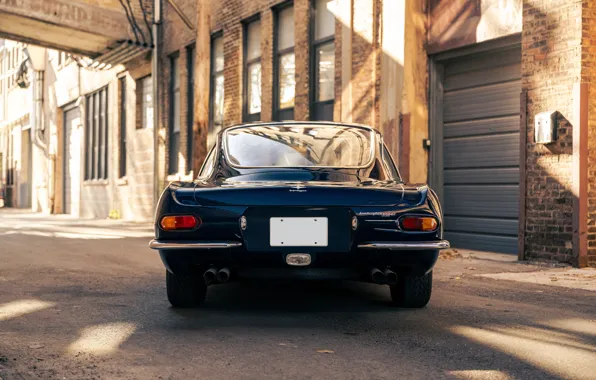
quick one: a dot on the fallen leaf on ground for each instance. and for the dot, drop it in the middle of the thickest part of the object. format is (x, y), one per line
(450, 254)
(325, 351)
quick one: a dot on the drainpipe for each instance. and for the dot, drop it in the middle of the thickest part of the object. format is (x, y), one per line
(156, 74)
(36, 61)
(36, 57)
(38, 129)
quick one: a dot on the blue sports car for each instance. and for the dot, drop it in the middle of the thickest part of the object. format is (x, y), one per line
(299, 200)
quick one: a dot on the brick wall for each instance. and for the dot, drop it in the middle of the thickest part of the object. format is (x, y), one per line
(588, 76)
(358, 65)
(551, 64)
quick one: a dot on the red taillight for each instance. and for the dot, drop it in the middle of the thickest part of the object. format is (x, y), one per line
(179, 222)
(418, 223)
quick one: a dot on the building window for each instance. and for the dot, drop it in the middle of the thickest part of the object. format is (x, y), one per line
(285, 65)
(217, 87)
(146, 93)
(96, 135)
(252, 71)
(122, 150)
(9, 159)
(1, 93)
(323, 62)
(190, 108)
(174, 141)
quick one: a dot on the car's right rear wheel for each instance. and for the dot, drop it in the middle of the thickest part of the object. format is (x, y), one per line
(412, 291)
(185, 290)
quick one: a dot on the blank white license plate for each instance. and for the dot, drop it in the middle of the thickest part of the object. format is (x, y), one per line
(298, 232)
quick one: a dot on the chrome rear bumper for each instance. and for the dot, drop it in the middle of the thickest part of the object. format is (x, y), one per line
(161, 244)
(406, 246)
(393, 246)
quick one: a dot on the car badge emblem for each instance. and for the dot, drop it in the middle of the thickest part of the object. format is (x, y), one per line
(298, 189)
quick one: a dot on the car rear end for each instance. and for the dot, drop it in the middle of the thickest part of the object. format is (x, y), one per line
(300, 231)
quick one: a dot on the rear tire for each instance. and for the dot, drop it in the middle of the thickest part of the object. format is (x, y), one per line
(185, 291)
(412, 291)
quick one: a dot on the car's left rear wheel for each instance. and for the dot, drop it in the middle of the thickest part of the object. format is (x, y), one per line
(185, 290)
(412, 291)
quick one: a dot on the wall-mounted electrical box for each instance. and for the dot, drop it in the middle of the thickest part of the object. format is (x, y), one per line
(545, 127)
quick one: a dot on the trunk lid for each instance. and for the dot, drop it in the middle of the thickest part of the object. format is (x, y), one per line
(331, 194)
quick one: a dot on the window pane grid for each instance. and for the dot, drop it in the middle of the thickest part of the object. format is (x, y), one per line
(217, 88)
(325, 65)
(147, 103)
(252, 71)
(174, 140)
(324, 19)
(95, 158)
(323, 70)
(190, 54)
(96, 135)
(285, 85)
(287, 80)
(122, 151)
(254, 88)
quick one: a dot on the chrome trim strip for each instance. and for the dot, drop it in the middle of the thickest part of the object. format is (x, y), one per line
(406, 246)
(161, 244)
(386, 229)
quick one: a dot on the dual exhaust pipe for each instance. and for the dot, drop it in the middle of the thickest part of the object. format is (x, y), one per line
(383, 277)
(213, 275)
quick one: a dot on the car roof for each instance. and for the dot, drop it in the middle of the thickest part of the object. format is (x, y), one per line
(294, 122)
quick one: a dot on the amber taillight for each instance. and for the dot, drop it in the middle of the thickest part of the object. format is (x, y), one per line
(179, 222)
(418, 223)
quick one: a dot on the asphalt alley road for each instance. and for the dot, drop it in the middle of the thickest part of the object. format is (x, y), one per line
(86, 300)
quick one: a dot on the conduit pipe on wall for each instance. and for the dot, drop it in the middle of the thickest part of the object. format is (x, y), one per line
(156, 74)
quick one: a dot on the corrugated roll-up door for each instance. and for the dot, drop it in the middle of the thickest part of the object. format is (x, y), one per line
(481, 102)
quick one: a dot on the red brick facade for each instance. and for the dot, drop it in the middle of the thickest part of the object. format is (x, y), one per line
(227, 17)
(551, 64)
(588, 75)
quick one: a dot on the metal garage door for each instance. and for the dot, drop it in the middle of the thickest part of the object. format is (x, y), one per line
(72, 161)
(481, 126)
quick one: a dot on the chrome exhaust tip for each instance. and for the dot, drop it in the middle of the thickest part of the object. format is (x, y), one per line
(377, 276)
(210, 276)
(390, 276)
(223, 275)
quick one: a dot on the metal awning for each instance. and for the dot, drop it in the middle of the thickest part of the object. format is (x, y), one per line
(120, 54)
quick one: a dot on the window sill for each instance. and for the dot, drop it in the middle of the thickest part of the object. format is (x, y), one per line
(123, 181)
(96, 182)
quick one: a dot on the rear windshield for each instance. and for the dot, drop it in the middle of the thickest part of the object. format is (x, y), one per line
(299, 146)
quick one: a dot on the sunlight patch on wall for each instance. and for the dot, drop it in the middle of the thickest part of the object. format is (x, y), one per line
(102, 339)
(18, 308)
